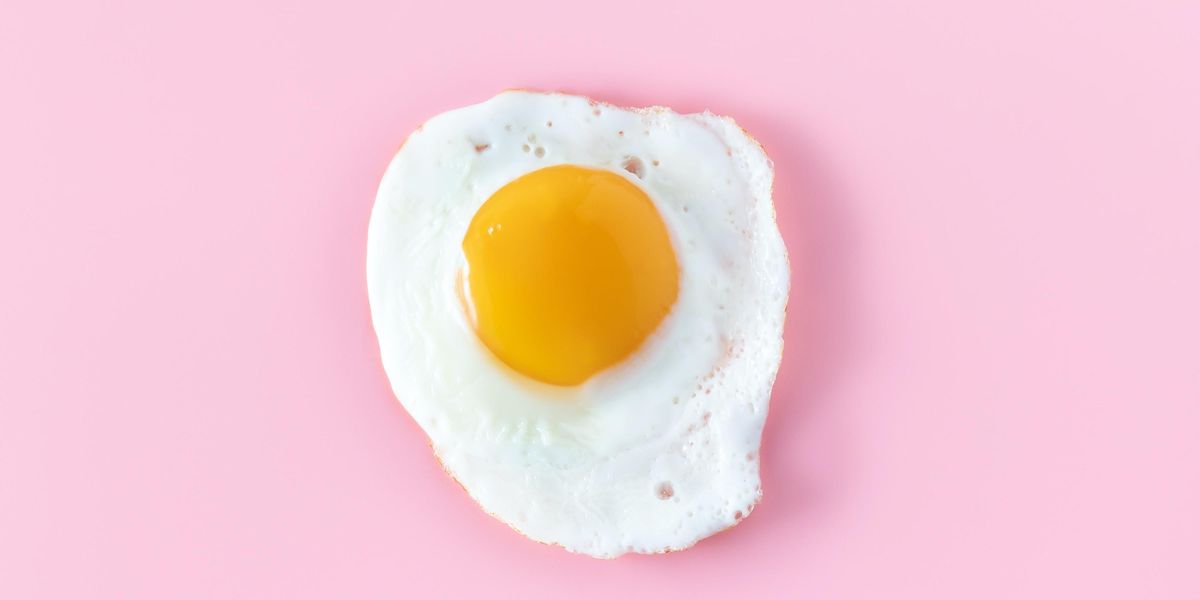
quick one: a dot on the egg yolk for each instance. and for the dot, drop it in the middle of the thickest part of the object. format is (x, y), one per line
(568, 270)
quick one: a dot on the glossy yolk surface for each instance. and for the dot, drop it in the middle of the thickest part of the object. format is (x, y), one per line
(568, 270)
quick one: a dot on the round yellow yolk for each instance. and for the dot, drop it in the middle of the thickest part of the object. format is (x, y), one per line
(568, 270)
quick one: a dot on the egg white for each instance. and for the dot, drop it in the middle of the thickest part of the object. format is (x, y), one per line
(648, 456)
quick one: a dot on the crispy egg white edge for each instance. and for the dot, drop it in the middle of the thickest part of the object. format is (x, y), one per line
(504, 462)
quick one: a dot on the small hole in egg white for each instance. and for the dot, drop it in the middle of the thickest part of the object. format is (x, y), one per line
(539, 152)
(634, 165)
(525, 147)
(665, 490)
(549, 123)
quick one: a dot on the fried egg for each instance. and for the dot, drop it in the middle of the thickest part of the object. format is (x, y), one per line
(582, 306)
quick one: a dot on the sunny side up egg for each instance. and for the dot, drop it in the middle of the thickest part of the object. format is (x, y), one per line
(583, 306)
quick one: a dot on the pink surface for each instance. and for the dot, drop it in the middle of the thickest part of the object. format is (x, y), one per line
(992, 380)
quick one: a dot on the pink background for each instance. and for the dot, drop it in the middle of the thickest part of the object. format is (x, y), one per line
(992, 380)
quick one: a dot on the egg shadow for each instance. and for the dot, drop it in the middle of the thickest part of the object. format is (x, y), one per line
(807, 447)
(807, 450)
